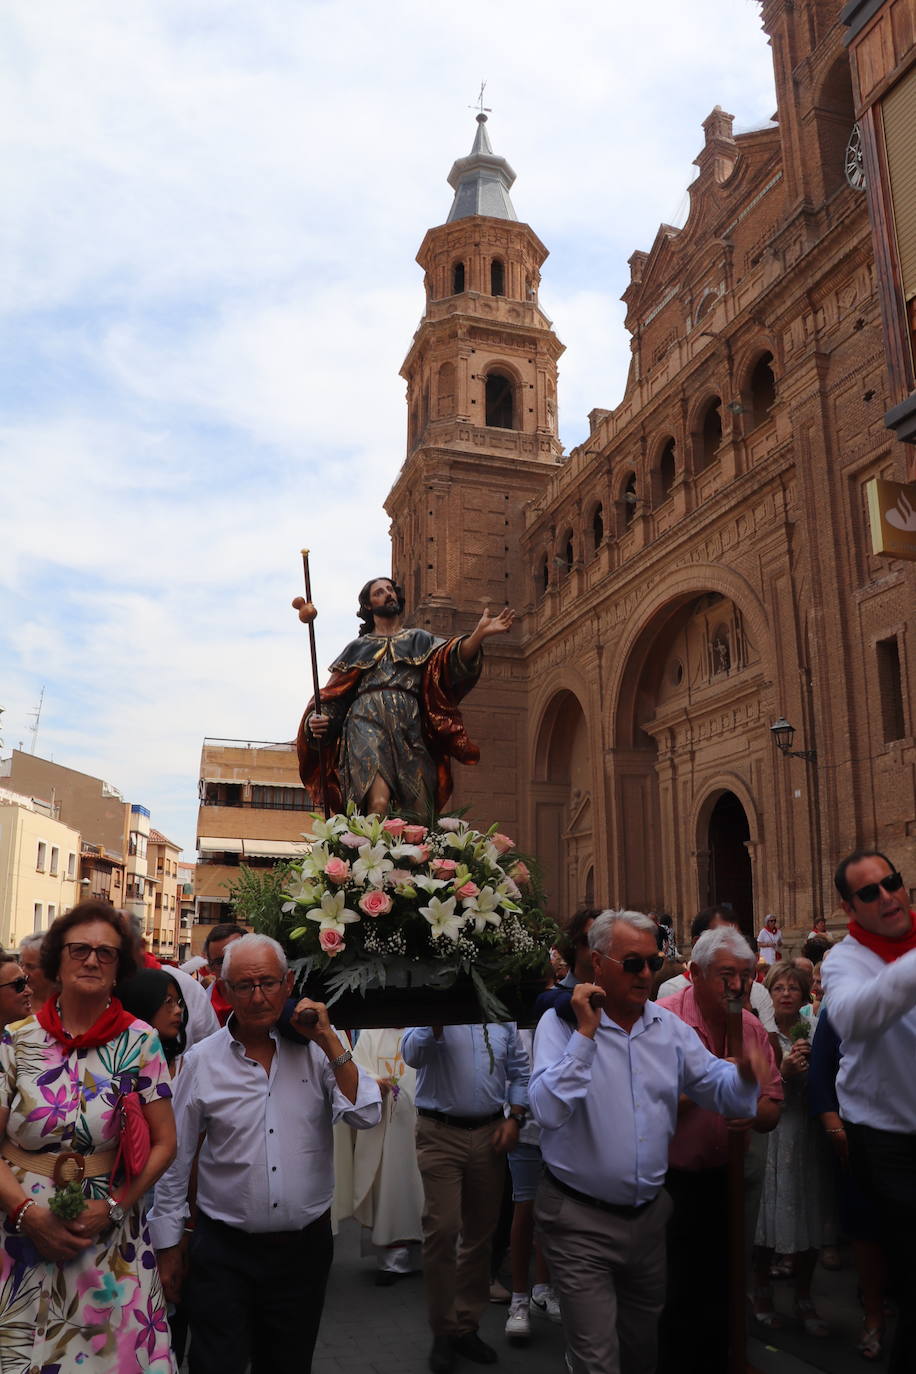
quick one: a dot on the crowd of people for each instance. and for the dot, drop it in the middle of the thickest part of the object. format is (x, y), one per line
(178, 1145)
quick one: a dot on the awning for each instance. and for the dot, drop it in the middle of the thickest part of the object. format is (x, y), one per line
(273, 849)
(209, 845)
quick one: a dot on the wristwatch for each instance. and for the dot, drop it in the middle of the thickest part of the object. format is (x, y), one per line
(341, 1059)
(520, 1116)
(116, 1212)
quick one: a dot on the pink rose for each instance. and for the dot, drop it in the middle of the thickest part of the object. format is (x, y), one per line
(330, 940)
(467, 889)
(449, 823)
(520, 873)
(394, 826)
(415, 834)
(375, 902)
(444, 868)
(337, 870)
(352, 841)
(502, 843)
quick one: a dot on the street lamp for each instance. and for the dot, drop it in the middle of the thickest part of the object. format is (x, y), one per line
(783, 734)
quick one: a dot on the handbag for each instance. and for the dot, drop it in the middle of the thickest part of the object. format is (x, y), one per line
(134, 1143)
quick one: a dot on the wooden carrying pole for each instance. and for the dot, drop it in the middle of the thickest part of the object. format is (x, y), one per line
(737, 1264)
(316, 690)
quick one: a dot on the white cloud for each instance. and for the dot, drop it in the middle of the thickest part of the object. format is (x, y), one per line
(208, 287)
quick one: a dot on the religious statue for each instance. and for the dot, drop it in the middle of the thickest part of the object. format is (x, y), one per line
(390, 722)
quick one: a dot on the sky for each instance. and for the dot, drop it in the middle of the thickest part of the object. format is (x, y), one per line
(207, 248)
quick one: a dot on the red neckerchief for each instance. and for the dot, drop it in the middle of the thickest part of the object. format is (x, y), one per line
(219, 1004)
(149, 960)
(112, 1022)
(888, 949)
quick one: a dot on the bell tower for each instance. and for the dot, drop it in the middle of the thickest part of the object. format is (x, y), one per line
(481, 378)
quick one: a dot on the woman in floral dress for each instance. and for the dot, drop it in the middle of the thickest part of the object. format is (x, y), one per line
(80, 1297)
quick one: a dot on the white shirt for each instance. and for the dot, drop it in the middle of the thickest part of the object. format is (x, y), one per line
(267, 1163)
(872, 1006)
(768, 942)
(201, 1016)
(607, 1106)
(761, 1001)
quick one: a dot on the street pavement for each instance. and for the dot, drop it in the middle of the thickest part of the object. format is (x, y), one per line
(369, 1330)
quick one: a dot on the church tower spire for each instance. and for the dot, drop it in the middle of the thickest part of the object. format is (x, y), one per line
(482, 441)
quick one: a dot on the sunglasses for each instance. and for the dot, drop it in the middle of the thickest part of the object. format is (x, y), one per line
(872, 891)
(634, 963)
(106, 954)
(17, 984)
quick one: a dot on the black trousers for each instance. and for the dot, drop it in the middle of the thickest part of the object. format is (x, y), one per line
(693, 1336)
(256, 1297)
(884, 1163)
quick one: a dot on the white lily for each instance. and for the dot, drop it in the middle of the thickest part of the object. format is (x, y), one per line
(370, 827)
(507, 891)
(430, 884)
(314, 862)
(332, 914)
(372, 865)
(325, 830)
(407, 851)
(483, 909)
(443, 918)
(303, 890)
(459, 839)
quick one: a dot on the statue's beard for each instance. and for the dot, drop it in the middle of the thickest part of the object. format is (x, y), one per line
(389, 610)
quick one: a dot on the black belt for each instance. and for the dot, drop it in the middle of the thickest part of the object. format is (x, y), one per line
(617, 1209)
(464, 1123)
(387, 687)
(269, 1238)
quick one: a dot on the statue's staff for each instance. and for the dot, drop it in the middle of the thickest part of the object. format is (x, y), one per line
(322, 760)
(737, 1326)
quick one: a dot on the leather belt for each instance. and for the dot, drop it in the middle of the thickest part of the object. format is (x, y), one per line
(463, 1123)
(45, 1162)
(617, 1209)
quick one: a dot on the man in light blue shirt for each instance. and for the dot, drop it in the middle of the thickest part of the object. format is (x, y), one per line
(463, 1133)
(606, 1097)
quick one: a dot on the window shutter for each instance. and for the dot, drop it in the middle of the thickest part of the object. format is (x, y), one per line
(899, 112)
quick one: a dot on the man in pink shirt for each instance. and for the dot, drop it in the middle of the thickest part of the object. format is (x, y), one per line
(694, 1330)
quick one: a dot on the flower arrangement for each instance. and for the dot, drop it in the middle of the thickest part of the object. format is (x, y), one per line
(380, 902)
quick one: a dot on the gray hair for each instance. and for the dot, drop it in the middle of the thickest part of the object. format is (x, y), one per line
(721, 938)
(31, 942)
(252, 942)
(601, 932)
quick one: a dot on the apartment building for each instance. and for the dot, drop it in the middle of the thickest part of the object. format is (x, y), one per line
(39, 866)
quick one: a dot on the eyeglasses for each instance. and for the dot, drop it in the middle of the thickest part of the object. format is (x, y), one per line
(17, 984)
(246, 988)
(635, 963)
(871, 891)
(106, 954)
(171, 1001)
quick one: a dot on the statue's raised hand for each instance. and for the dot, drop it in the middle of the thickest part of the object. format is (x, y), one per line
(494, 624)
(305, 608)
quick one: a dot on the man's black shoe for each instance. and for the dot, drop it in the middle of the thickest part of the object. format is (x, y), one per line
(385, 1278)
(442, 1356)
(473, 1348)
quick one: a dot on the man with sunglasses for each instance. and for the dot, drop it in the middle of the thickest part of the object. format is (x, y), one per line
(606, 1097)
(259, 1255)
(869, 982)
(15, 992)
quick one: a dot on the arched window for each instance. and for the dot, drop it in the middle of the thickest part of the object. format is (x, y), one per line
(500, 401)
(497, 278)
(667, 470)
(457, 278)
(761, 389)
(597, 527)
(834, 117)
(445, 391)
(567, 555)
(629, 499)
(711, 433)
(542, 576)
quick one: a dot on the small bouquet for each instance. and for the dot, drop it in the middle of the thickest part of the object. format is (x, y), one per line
(67, 1200)
(801, 1030)
(380, 902)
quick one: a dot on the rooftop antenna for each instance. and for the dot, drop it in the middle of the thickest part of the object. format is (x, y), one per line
(36, 717)
(478, 104)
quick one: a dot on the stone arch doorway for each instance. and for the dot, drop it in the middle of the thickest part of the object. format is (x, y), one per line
(724, 848)
(562, 797)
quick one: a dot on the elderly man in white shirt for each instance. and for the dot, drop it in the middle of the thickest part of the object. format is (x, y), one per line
(869, 982)
(261, 1246)
(606, 1097)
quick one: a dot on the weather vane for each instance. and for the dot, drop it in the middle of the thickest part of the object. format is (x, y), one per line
(479, 105)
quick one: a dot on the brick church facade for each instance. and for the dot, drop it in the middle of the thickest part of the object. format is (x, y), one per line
(700, 566)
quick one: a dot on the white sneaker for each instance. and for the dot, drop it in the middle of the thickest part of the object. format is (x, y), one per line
(518, 1326)
(546, 1305)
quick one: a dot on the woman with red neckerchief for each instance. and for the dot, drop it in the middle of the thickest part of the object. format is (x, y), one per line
(80, 1295)
(870, 993)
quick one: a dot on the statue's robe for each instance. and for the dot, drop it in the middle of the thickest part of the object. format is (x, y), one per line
(393, 706)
